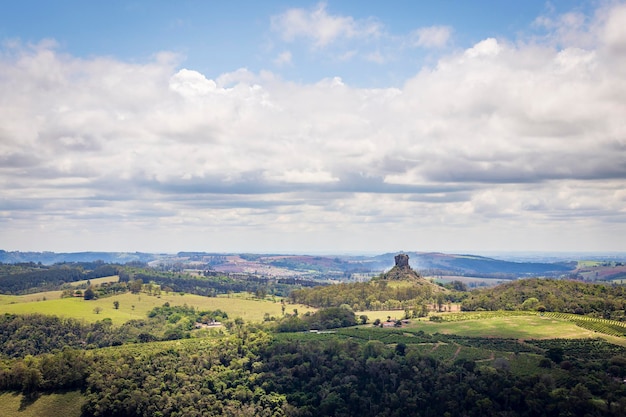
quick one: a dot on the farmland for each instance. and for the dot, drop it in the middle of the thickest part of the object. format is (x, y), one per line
(508, 326)
(137, 306)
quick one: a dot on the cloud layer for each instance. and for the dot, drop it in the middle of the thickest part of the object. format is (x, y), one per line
(508, 144)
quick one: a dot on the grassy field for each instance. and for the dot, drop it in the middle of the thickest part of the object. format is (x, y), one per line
(588, 264)
(136, 306)
(58, 404)
(382, 315)
(515, 327)
(96, 281)
(51, 295)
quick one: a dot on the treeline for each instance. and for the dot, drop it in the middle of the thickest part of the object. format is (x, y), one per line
(211, 285)
(323, 319)
(248, 374)
(25, 278)
(344, 378)
(35, 334)
(372, 295)
(30, 277)
(606, 301)
(209, 377)
(207, 286)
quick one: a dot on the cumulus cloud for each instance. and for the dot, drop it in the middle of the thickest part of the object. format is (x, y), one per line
(502, 135)
(614, 31)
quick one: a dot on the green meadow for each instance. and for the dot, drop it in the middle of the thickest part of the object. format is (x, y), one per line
(514, 327)
(66, 404)
(137, 306)
(96, 281)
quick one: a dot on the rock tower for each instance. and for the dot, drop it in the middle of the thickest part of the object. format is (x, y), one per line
(402, 271)
(402, 260)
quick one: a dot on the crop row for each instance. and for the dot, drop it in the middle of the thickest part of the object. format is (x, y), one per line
(481, 315)
(605, 326)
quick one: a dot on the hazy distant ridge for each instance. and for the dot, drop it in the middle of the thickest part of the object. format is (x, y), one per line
(427, 262)
(49, 258)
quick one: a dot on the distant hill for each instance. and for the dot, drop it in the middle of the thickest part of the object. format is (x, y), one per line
(399, 288)
(330, 267)
(49, 258)
(453, 264)
(401, 271)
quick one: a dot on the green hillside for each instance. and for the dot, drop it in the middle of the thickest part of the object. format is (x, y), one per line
(607, 301)
(139, 350)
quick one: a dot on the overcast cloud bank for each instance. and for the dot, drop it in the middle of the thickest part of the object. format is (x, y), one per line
(509, 144)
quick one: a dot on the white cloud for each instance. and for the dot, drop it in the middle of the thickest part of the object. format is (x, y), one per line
(431, 37)
(320, 27)
(495, 138)
(284, 58)
(488, 47)
(304, 177)
(614, 33)
(191, 83)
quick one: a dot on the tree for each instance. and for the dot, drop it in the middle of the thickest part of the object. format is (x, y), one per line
(555, 354)
(116, 305)
(89, 294)
(530, 304)
(97, 310)
(440, 301)
(135, 286)
(261, 292)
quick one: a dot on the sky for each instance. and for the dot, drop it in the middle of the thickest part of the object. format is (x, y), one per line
(313, 127)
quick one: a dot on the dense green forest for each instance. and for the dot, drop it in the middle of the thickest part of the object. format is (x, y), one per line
(252, 372)
(372, 295)
(30, 277)
(33, 334)
(598, 300)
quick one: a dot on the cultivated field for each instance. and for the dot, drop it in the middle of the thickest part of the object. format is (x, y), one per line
(514, 327)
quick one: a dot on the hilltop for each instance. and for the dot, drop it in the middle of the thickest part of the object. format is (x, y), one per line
(399, 288)
(402, 271)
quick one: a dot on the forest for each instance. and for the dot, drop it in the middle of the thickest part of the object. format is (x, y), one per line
(328, 361)
(252, 372)
(597, 300)
(33, 277)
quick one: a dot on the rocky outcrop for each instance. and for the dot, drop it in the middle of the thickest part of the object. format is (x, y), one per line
(402, 271)
(402, 260)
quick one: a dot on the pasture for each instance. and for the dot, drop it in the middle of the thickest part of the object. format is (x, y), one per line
(514, 327)
(137, 306)
(96, 281)
(66, 404)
